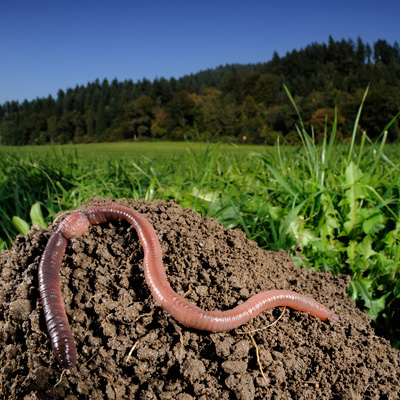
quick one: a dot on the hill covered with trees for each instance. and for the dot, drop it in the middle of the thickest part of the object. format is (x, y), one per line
(232, 103)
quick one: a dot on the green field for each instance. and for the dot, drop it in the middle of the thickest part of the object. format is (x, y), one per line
(128, 149)
(62, 177)
(335, 207)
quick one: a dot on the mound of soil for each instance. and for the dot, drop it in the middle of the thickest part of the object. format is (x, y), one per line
(129, 348)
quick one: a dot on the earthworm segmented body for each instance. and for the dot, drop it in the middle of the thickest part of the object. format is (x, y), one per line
(182, 310)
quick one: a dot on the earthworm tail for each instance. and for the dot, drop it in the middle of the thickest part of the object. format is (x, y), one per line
(182, 310)
(59, 330)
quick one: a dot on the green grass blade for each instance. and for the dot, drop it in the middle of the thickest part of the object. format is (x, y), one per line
(355, 127)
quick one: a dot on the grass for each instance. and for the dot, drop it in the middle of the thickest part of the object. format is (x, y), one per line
(335, 207)
(131, 149)
(60, 178)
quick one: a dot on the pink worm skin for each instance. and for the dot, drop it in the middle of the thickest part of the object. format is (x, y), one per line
(180, 309)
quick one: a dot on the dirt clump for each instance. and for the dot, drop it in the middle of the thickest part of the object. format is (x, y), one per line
(129, 348)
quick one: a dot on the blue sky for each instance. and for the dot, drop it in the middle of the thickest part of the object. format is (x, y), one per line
(51, 45)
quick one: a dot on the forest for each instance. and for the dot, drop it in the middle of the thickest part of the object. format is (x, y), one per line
(233, 103)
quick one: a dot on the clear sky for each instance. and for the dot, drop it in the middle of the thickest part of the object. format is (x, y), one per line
(46, 45)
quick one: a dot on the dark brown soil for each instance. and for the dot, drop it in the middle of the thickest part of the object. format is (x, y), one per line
(129, 348)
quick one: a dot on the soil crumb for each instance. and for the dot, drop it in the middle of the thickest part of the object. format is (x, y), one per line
(129, 348)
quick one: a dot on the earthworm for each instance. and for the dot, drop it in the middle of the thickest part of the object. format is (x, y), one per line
(180, 309)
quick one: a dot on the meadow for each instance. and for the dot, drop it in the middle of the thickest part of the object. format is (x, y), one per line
(333, 206)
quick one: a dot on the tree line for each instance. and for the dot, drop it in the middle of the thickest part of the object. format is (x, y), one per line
(236, 103)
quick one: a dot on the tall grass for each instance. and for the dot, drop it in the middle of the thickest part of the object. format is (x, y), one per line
(335, 207)
(338, 209)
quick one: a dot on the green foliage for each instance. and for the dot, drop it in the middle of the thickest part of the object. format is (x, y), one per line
(233, 103)
(36, 216)
(22, 226)
(343, 217)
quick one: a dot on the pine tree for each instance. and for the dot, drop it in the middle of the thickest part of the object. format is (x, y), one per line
(101, 122)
